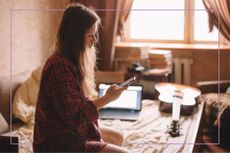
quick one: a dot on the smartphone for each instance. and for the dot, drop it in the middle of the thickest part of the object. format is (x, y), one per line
(128, 82)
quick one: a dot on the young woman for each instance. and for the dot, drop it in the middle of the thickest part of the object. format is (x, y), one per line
(66, 114)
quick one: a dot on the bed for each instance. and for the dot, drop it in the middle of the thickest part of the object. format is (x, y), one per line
(147, 134)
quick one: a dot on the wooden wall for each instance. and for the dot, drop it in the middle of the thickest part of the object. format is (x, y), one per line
(205, 59)
(205, 63)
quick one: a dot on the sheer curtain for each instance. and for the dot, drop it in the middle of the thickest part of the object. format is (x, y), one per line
(123, 15)
(219, 9)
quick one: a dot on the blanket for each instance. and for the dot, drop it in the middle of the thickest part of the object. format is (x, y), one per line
(149, 134)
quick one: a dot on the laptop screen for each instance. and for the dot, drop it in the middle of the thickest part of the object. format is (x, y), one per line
(130, 99)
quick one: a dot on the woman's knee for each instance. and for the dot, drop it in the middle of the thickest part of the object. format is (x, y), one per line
(112, 136)
(118, 137)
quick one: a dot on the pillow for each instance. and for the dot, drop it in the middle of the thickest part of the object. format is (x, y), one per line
(228, 91)
(25, 99)
(5, 88)
(3, 125)
(213, 102)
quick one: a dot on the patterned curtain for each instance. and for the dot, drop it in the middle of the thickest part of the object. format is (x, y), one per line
(219, 10)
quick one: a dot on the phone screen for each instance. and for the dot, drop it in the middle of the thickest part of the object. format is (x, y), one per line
(128, 82)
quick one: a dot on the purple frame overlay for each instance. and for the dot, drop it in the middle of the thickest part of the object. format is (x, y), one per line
(111, 10)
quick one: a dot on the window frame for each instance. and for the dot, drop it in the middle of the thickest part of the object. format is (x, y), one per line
(188, 29)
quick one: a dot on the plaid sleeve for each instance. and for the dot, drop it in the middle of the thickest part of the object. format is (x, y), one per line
(66, 99)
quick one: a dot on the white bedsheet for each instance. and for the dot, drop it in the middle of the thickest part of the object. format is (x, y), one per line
(146, 135)
(149, 133)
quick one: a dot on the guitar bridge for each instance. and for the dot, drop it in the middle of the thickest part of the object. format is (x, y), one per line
(174, 129)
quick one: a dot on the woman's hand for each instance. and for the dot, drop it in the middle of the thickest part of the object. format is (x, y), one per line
(114, 92)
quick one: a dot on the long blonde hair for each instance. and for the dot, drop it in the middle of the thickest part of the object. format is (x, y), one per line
(76, 20)
(88, 84)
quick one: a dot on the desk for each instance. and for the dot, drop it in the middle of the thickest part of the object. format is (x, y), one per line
(149, 133)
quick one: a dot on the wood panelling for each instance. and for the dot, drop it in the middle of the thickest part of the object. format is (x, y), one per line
(205, 59)
(205, 64)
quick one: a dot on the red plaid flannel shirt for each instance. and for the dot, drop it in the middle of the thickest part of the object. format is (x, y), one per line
(65, 119)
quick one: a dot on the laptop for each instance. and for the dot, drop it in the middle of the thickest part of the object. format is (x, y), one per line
(126, 107)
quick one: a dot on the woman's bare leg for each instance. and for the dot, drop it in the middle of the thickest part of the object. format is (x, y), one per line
(110, 148)
(114, 139)
(112, 136)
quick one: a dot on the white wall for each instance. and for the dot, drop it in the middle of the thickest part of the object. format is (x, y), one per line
(33, 33)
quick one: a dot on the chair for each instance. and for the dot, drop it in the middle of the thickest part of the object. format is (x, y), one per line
(209, 131)
(212, 86)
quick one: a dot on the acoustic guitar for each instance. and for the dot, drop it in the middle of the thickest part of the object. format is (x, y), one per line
(167, 92)
(176, 99)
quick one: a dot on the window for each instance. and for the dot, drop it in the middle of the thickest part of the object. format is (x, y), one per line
(184, 21)
(201, 25)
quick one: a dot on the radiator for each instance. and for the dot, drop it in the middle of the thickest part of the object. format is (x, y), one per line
(182, 70)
